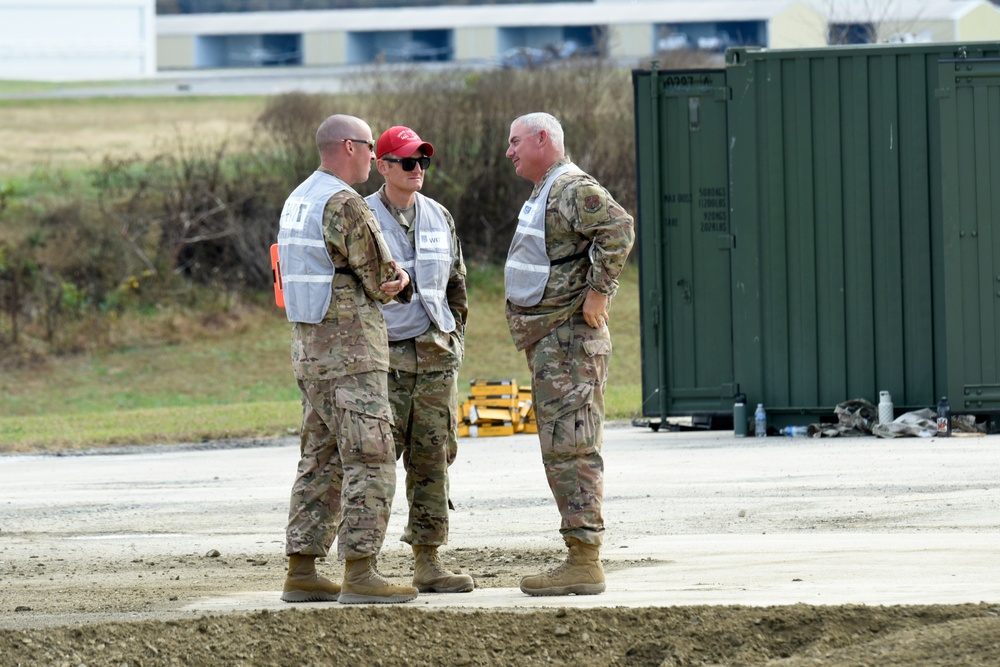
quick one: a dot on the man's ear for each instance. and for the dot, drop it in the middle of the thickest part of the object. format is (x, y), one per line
(543, 138)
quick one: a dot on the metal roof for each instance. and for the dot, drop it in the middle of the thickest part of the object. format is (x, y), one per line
(496, 16)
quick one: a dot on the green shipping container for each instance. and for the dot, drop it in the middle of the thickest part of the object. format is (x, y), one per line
(819, 225)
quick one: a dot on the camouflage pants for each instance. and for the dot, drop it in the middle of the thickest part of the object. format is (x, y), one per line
(347, 473)
(425, 424)
(569, 372)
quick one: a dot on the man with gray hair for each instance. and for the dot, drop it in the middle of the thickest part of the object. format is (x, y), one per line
(336, 273)
(570, 246)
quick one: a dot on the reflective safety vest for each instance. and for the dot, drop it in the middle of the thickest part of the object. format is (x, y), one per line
(527, 269)
(428, 262)
(306, 268)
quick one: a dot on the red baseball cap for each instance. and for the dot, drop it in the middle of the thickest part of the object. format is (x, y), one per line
(402, 141)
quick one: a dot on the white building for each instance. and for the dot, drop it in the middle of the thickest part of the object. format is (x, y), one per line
(66, 40)
(483, 32)
(77, 40)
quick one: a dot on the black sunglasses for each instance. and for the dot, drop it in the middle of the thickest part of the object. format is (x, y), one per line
(409, 163)
(370, 143)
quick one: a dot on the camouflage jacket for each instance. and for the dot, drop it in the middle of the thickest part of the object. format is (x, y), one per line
(434, 350)
(351, 338)
(580, 216)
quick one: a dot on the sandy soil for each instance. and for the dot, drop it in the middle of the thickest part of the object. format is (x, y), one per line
(129, 612)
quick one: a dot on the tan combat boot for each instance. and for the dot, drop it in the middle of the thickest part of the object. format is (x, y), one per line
(364, 585)
(303, 584)
(580, 574)
(430, 575)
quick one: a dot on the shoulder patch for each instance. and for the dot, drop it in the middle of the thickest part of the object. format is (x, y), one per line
(592, 203)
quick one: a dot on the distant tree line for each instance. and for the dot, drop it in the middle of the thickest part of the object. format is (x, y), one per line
(222, 6)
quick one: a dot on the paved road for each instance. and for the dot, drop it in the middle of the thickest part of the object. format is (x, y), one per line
(723, 520)
(250, 81)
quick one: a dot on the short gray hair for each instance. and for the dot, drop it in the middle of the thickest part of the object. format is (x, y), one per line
(538, 121)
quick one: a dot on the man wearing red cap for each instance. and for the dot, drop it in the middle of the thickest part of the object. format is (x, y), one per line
(426, 346)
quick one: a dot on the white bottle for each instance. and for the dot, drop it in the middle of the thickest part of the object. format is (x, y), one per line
(885, 411)
(760, 421)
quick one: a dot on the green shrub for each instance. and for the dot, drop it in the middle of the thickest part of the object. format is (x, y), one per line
(169, 229)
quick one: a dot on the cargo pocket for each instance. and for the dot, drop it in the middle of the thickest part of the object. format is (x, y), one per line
(558, 387)
(555, 404)
(591, 355)
(365, 427)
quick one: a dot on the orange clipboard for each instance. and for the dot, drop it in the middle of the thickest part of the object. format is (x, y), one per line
(279, 293)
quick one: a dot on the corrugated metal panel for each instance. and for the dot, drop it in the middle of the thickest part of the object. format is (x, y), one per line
(838, 170)
(865, 225)
(969, 94)
(684, 242)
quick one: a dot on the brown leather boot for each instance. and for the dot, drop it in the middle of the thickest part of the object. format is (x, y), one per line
(431, 576)
(303, 584)
(580, 574)
(364, 585)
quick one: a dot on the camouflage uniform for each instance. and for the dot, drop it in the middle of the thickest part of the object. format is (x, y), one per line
(346, 474)
(567, 358)
(423, 392)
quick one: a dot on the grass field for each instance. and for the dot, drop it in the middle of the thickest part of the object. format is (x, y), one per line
(182, 376)
(188, 380)
(62, 134)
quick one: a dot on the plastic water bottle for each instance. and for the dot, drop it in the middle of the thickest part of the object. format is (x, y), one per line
(885, 411)
(795, 431)
(943, 418)
(740, 416)
(760, 421)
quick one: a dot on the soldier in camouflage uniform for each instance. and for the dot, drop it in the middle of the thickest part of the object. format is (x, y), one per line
(571, 244)
(336, 273)
(426, 346)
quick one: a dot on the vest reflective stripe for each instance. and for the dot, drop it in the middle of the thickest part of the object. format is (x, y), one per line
(527, 269)
(307, 270)
(430, 261)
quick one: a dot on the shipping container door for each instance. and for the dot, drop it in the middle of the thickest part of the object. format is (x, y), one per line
(832, 213)
(969, 96)
(685, 243)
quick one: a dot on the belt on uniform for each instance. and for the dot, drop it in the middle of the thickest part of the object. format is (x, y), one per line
(570, 258)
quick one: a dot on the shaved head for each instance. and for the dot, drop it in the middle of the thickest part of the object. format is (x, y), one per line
(345, 147)
(336, 128)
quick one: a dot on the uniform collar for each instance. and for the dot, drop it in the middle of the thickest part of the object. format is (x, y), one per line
(548, 172)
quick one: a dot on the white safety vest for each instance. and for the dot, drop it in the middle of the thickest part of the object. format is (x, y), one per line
(527, 269)
(429, 264)
(306, 268)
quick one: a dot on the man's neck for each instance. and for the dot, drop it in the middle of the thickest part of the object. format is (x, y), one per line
(545, 172)
(333, 172)
(401, 199)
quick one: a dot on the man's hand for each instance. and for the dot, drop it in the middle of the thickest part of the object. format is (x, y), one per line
(595, 309)
(394, 287)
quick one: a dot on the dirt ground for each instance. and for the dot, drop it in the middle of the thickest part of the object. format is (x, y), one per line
(122, 612)
(110, 560)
